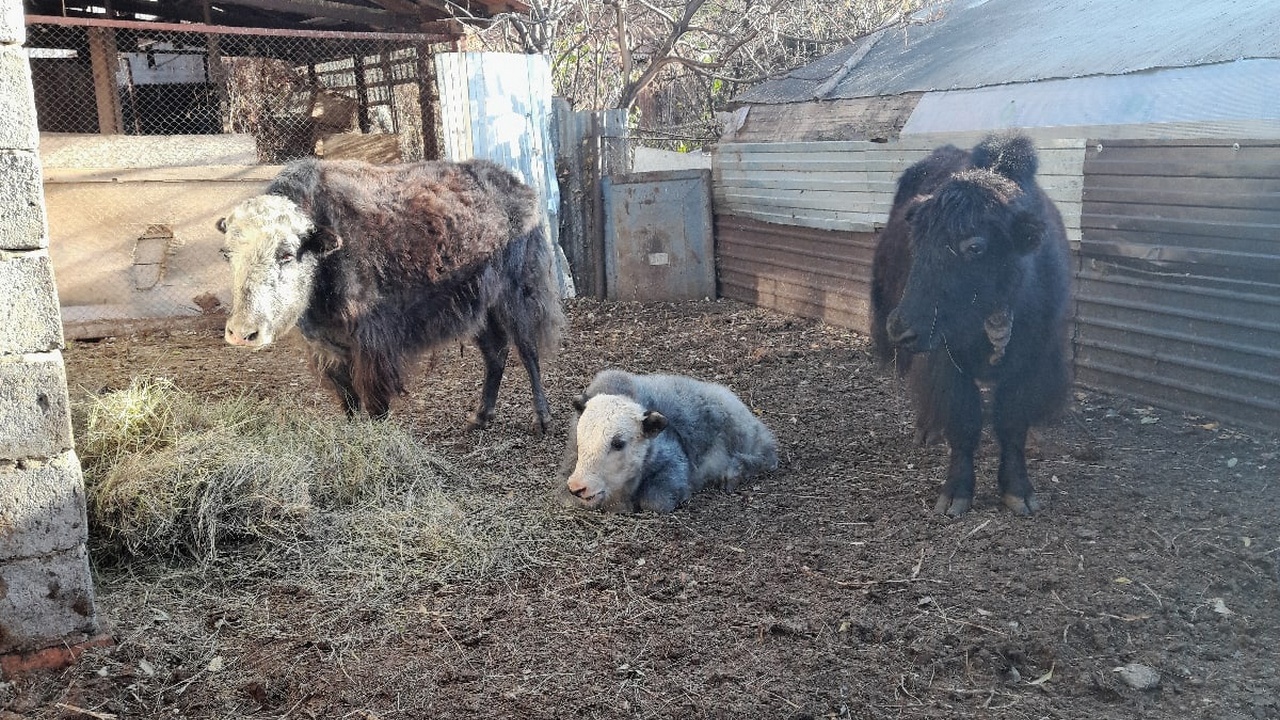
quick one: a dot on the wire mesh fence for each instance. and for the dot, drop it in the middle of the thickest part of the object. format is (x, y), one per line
(151, 132)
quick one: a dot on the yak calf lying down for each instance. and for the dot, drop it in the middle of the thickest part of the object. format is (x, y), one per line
(970, 287)
(377, 264)
(648, 442)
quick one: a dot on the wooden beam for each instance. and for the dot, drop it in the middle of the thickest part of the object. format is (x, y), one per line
(402, 7)
(103, 58)
(373, 17)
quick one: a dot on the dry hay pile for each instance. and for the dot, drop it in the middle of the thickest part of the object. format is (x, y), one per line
(172, 475)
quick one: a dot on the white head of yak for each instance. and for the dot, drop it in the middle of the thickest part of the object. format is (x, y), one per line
(613, 435)
(272, 268)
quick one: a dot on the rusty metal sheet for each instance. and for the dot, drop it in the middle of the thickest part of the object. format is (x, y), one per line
(1178, 292)
(658, 243)
(822, 274)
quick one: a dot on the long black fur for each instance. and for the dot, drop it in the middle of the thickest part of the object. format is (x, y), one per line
(972, 239)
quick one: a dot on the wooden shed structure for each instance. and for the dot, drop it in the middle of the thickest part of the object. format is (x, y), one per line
(156, 118)
(1159, 138)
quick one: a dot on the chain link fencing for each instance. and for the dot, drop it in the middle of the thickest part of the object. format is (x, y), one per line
(150, 133)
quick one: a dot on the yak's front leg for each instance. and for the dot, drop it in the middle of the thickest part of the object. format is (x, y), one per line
(961, 405)
(493, 344)
(1011, 424)
(337, 373)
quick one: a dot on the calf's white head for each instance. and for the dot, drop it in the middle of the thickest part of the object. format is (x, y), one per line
(274, 254)
(612, 436)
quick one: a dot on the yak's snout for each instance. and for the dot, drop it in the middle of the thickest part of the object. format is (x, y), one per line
(244, 334)
(901, 333)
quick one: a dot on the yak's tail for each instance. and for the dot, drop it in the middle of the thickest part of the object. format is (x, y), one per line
(542, 311)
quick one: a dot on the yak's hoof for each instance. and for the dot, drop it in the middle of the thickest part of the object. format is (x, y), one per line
(952, 506)
(1029, 505)
(479, 422)
(541, 426)
(927, 437)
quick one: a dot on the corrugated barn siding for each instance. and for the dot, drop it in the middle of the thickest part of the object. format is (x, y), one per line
(808, 272)
(796, 222)
(1178, 295)
(848, 185)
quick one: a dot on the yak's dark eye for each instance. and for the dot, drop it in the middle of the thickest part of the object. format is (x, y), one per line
(284, 258)
(974, 247)
(225, 253)
(618, 443)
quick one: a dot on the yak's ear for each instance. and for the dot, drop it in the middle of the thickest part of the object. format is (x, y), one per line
(653, 423)
(914, 205)
(1026, 231)
(221, 225)
(580, 402)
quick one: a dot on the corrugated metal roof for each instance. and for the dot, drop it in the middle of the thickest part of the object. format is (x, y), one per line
(1010, 41)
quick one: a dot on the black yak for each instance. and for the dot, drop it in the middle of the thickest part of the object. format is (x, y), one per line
(648, 442)
(970, 289)
(377, 264)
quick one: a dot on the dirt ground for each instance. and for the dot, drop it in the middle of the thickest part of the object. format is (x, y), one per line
(826, 589)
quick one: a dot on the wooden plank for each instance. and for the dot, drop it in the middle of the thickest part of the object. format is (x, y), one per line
(1236, 170)
(805, 181)
(1160, 253)
(742, 227)
(1223, 154)
(1194, 186)
(855, 118)
(1160, 144)
(102, 58)
(1043, 147)
(1208, 230)
(205, 173)
(1246, 211)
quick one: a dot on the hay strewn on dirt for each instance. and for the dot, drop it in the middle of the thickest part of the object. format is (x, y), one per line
(823, 590)
(170, 474)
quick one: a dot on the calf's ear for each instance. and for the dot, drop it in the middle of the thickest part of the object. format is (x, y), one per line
(653, 423)
(580, 402)
(1026, 231)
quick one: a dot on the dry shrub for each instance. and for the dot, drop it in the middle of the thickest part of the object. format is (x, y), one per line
(173, 475)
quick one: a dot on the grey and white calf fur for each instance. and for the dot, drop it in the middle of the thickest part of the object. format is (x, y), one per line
(648, 442)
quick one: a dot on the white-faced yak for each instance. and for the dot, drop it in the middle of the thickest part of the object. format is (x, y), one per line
(970, 289)
(648, 442)
(378, 264)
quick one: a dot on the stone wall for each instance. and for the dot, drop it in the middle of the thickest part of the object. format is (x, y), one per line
(46, 593)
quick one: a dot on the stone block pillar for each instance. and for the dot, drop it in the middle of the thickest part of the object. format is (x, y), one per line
(46, 594)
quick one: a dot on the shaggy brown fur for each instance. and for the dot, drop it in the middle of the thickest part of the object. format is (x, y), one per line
(407, 257)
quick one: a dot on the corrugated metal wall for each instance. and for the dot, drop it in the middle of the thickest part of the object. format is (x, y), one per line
(1178, 291)
(1178, 295)
(848, 185)
(497, 106)
(803, 271)
(795, 222)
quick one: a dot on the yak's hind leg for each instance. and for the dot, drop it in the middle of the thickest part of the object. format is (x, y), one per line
(493, 343)
(528, 348)
(954, 400)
